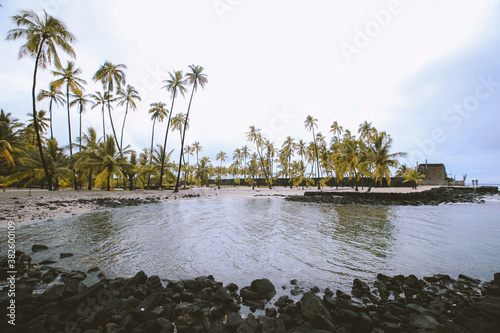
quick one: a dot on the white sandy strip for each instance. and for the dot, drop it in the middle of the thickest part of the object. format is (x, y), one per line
(24, 205)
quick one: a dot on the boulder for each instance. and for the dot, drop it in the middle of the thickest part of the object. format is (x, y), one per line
(264, 287)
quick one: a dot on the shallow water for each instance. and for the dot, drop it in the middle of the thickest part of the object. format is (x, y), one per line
(239, 240)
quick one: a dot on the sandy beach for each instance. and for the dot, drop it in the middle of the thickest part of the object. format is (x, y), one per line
(25, 205)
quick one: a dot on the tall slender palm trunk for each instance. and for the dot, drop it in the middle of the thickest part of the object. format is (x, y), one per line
(165, 142)
(176, 189)
(151, 153)
(48, 176)
(123, 125)
(50, 114)
(69, 121)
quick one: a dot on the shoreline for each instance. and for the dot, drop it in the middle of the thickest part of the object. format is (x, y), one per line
(52, 299)
(29, 205)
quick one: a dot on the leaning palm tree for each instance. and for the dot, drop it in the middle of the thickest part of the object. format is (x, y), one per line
(176, 84)
(195, 78)
(157, 112)
(127, 97)
(310, 123)
(69, 76)
(42, 38)
(110, 75)
(55, 96)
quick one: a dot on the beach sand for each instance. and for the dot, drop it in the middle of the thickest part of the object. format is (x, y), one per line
(25, 205)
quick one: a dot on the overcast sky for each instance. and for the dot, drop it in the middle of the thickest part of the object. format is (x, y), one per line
(426, 72)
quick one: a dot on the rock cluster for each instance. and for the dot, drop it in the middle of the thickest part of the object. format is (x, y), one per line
(147, 304)
(434, 196)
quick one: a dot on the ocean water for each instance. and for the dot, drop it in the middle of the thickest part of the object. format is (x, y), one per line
(239, 240)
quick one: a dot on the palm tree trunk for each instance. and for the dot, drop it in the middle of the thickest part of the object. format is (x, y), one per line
(90, 180)
(80, 136)
(112, 125)
(50, 112)
(69, 121)
(165, 142)
(103, 124)
(108, 187)
(176, 189)
(263, 168)
(317, 158)
(48, 176)
(123, 125)
(151, 153)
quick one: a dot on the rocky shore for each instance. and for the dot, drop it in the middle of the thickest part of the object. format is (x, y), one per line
(434, 196)
(54, 300)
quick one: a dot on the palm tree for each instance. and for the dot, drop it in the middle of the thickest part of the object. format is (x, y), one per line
(379, 158)
(175, 84)
(127, 97)
(82, 100)
(310, 124)
(157, 112)
(222, 157)
(287, 151)
(55, 96)
(42, 121)
(166, 163)
(101, 99)
(42, 35)
(252, 170)
(255, 136)
(336, 129)
(412, 175)
(197, 148)
(196, 77)
(299, 175)
(245, 153)
(110, 74)
(9, 139)
(204, 170)
(348, 159)
(178, 122)
(91, 146)
(69, 76)
(107, 160)
(188, 150)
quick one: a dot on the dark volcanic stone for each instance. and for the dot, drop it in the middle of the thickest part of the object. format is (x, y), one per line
(264, 287)
(65, 255)
(311, 305)
(39, 247)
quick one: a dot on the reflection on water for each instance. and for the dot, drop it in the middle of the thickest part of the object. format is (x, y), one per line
(238, 240)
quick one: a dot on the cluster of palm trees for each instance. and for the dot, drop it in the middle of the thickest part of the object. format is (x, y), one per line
(318, 162)
(44, 36)
(29, 154)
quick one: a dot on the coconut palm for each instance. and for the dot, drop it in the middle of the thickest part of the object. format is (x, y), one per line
(197, 148)
(166, 163)
(43, 36)
(252, 170)
(336, 129)
(178, 122)
(379, 158)
(82, 100)
(413, 176)
(287, 151)
(245, 153)
(255, 136)
(55, 96)
(43, 124)
(299, 174)
(127, 97)
(222, 157)
(107, 160)
(74, 84)
(9, 139)
(310, 123)
(348, 159)
(204, 170)
(176, 84)
(188, 150)
(110, 75)
(91, 144)
(157, 112)
(401, 170)
(195, 78)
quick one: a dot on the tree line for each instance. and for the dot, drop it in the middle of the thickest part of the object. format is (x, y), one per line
(30, 153)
